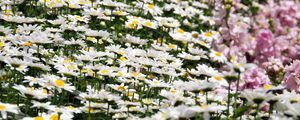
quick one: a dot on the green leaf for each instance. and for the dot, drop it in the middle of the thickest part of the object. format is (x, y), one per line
(240, 111)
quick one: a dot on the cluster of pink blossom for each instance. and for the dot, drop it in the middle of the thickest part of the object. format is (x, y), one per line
(268, 37)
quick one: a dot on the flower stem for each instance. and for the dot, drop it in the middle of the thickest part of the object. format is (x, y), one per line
(236, 94)
(228, 100)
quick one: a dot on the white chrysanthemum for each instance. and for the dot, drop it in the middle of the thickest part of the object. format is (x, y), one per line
(217, 56)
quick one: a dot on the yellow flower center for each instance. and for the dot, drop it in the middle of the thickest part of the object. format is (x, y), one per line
(201, 92)
(135, 22)
(59, 83)
(218, 77)
(120, 74)
(267, 87)
(91, 39)
(147, 101)
(84, 70)
(121, 88)
(104, 71)
(135, 74)
(8, 12)
(164, 116)
(2, 44)
(54, 117)
(195, 35)
(132, 108)
(180, 30)
(151, 76)
(202, 43)
(71, 108)
(45, 91)
(90, 109)
(171, 46)
(38, 118)
(151, 6)
(123, 59)
(27, 43)
(71, 5)
(120, 13)
(155, 82)
(218, 54)
(148, 24)
(232, 58)
(2, 107)
(143, 78)
(131, 25)
(121, 52)
(208, 34)
(51, 4)
(173, 91)
(130, 94)
(159, 40)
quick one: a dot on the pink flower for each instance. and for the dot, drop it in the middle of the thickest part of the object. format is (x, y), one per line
(264, 46)
(292, 75)
(255, 78)
(265, 107)
(273, 65)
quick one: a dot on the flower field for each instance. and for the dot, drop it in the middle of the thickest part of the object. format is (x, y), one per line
(149, 59)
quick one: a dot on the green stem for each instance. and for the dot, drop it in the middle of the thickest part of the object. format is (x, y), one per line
(270, 110)
(236, 94)
(228, 100)
(107, 109)
(89, 110)
(256, 116)
(206, 97)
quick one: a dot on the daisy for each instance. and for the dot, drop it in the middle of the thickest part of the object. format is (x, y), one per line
(53, 3)
(39, 93)
(204, 43)
(157, 83)
(210, 36)
(106, 71)
(120, 13)
(33, 80)
(257, 96)
(120, 88)
(62, 84)
(203, 69)
(41, 105)
(197, 51)
(167, 22)
(72, 109)
(120, 116)
(96, 33)
(42, 116)
(93, 12)
(6, 107)
(150, 24)
(217, 56)
(220, 79)
(207, 19)
(78, 18)
(133, 22)
(187, 56)
(151, 8)
(135, 40)
(180, 35)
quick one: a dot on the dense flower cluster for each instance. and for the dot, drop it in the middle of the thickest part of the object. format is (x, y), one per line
(149, 59)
